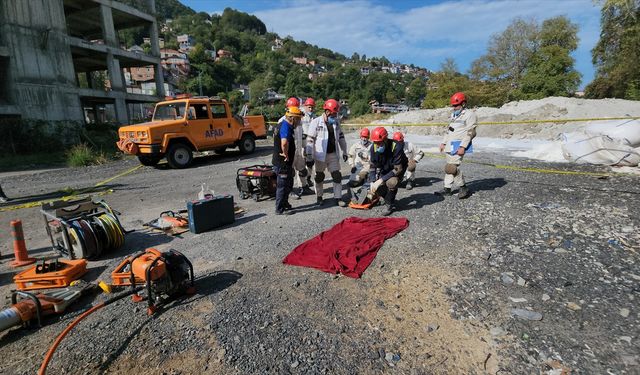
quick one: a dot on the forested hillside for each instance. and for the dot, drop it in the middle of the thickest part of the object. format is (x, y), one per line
(528, 60)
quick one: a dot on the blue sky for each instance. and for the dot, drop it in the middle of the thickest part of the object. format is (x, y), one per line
(423, 33)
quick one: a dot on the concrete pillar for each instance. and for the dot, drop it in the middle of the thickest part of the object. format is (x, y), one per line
(117, 85)
(115, 73)
(157, 74)
(108, 31)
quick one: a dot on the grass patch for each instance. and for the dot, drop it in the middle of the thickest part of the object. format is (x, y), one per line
(82, 155)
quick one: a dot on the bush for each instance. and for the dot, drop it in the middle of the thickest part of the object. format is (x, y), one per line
(82, 155)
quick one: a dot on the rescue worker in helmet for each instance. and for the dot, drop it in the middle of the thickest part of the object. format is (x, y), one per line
(299, 160)
(324, 140)
(359, 155)
(388, 165)
(456, 143)
(308, 108)
(414, 155)
(284, 149)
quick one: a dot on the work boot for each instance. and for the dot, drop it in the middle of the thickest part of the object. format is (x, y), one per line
(409, 185)
(319, 202)
(446, 192)
(388, 210)
(306, 190)
(297, 194)
(287, 206)
(341, 203)
(284, 212)
(464, 192)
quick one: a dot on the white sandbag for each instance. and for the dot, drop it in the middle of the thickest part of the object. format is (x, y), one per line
(627, 131)
(587, 148)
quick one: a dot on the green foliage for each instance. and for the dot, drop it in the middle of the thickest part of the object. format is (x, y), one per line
(82, 155)
(617, 53)
(550, 73)
(528, 61)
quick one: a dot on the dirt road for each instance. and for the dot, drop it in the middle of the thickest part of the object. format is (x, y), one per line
(438, 299)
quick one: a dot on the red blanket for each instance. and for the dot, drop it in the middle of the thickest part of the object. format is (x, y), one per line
(347, 248)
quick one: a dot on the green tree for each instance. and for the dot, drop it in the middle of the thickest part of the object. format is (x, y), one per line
(617, 53)
(550, 71)
(416, 92)
(508, 53)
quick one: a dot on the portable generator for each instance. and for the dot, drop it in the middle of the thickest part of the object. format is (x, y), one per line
(256, 181)
(165, 275)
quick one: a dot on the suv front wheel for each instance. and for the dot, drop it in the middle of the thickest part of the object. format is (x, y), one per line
(247, 144)
(179, 155)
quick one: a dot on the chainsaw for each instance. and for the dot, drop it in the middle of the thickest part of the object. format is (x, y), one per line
(164, 275)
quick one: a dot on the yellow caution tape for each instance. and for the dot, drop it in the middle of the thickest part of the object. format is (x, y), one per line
(73, 194)
(515, 122)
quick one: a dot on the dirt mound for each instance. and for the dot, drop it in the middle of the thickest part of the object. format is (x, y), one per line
(552, 108)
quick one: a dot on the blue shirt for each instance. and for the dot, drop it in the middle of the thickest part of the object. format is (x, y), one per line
(285, 130)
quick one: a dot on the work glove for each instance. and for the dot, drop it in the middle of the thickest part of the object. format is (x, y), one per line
(376, 185)
(353, 169)
(344, 158)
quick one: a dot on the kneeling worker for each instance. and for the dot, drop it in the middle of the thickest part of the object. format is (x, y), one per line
(414, 155)
(359, 154)
(284, 149)
(388, 164)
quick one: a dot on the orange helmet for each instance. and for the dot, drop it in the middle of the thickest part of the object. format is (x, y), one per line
(331, 105)
(379, 134)
(458, 98)
(293, 102)
(310, 102)
(397, 136)
(364, 133)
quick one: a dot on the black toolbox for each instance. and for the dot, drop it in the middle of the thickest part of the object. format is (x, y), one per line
(207, 214)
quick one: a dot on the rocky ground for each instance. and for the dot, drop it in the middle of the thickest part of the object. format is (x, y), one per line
(534, 273)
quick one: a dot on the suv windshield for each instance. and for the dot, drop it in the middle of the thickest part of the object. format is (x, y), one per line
(171, 111)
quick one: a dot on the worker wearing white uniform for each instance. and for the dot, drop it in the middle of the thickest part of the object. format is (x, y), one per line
(359, 155)
(308, 110)
(324, 140)
(456, 143)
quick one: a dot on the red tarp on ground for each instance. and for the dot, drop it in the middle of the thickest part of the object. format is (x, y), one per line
(347, 248)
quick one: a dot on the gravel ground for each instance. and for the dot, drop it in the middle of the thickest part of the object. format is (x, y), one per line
(445, 296)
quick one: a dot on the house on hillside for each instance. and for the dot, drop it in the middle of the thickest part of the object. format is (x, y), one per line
(223, 53)
(244, 89)
(300, 60)
(148, 41)
(185, 43)
(277, 44)
(365, 70)
(271, 96)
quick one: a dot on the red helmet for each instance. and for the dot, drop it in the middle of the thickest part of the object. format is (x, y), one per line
(310, 102)
(364, 133)
(332, 105)
(293, 102)
(458, 98)
(379, 134)
(397, 136)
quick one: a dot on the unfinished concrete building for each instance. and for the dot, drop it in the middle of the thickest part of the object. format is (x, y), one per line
(51, 52)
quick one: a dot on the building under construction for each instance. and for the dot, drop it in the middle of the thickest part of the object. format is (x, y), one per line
(62, 60)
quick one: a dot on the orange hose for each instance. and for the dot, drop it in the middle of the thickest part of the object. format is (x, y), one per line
(53, 348)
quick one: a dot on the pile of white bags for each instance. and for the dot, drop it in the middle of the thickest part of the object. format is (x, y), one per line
(609, 142)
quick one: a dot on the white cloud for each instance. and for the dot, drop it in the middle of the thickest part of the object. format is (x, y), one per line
(426, 34)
